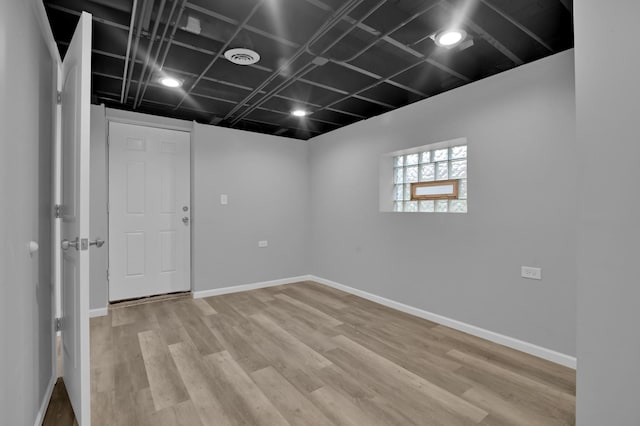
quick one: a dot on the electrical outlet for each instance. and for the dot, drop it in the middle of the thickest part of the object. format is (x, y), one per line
(531, 272)
(263, 244)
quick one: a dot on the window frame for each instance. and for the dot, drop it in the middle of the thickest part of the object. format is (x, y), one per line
(453, 195)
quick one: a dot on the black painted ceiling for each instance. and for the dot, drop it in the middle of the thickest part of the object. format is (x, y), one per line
(342, 60)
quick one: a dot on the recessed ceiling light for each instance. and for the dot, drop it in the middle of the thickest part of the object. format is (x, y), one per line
(170, 82)
(299, 112)
(241, 56)
(450, 38)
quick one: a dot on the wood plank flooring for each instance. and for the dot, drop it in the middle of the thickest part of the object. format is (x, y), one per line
(59, 412)
(306, 354)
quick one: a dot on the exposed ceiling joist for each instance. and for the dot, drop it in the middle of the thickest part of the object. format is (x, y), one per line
(134, 52)
(521, 27)
(215, 98)
(386, 80)
(113, 97)
(174, 28)
(362, 71)
(152, 40)
(568, 4)
(330, 23)
(393, 42)
(239, 28)
(486, 35)
(134, 11)
(365, 66)
(230, 84)
(319, 59)
(250, 28)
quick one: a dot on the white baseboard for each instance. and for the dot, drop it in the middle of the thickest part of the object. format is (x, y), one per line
(45, 401)
(245, 287)
(520, 345)
(98, 312)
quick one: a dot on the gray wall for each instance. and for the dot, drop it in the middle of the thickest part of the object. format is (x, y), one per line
(266, 179)
(608, 108)
(27, 75)
(520, 127)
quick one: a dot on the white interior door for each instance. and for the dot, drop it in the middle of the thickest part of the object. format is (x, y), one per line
(75, 119)
(149, 211)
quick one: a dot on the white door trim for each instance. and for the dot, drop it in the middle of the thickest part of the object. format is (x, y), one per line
(140, 119)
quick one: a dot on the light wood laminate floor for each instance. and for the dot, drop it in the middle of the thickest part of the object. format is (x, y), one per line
(306, 354)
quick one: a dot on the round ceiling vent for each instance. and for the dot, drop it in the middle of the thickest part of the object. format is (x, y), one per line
(242, 56)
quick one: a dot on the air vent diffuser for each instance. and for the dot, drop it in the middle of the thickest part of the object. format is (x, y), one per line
(242, 56)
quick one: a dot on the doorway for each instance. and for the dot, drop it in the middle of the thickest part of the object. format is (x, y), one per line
(149, 211)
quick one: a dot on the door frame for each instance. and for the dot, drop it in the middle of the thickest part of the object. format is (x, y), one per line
(145, 120)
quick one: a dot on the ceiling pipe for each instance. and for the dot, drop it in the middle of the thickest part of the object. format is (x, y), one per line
(249, 28)
(227, 83)
(382, 36)
(174, 28)
(220, 52)
(319, 60)
(346, 33)
(371, 86)
(353, 94)
(395, 43)
(126, 62)
(286, 42)
(135, 50)
(521, 27)
(138, 99)
(446, 4)
(289, 43)
(154, 32)
(385, 34)
(324, 28)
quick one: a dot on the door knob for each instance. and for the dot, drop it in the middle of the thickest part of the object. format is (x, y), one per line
(185, 220)
(66, 244)
(98, 242)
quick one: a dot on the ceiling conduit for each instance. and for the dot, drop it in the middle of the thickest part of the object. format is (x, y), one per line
(311, 65)
(324, 28)
(174, 28)
(135, 50)
(154, 32)
(220, 52)
(126, 62)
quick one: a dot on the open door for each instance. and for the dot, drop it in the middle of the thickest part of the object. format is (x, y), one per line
(75, 118)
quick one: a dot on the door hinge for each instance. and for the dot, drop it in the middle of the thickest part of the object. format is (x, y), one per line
(59, 98)
(107, 275)
(58, 211)
(58, 324)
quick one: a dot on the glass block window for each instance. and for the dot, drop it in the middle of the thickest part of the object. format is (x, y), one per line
(440, 164)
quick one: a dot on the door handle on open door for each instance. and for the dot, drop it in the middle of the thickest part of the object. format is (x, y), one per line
(185, 220)
(66, 244)
(98, 242)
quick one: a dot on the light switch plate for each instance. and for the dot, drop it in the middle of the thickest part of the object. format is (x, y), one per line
(531, 272)
(224, 199)
(263, 244)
